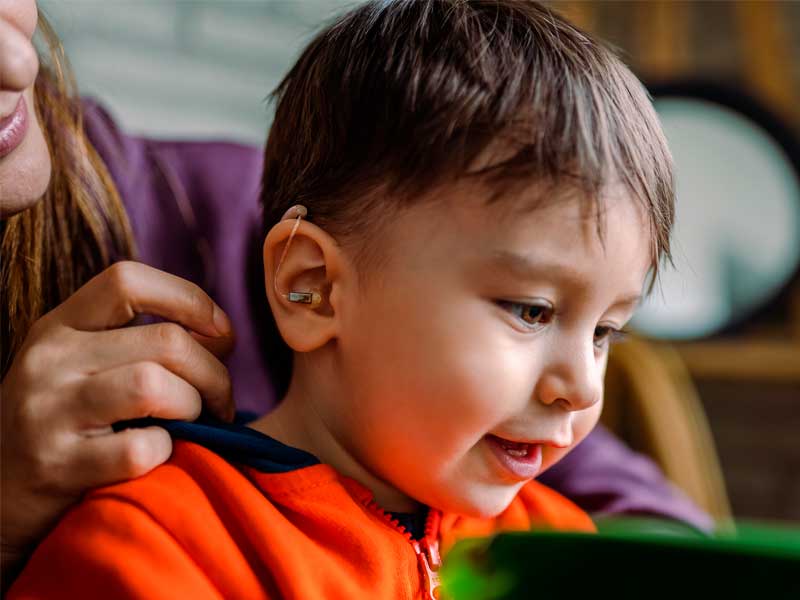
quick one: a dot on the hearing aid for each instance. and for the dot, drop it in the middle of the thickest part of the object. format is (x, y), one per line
(314, 299)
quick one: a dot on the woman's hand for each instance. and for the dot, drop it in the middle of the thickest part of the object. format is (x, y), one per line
(79, 370)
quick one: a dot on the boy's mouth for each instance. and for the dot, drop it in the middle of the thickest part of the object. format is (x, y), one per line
(522, 460)
(519, 446)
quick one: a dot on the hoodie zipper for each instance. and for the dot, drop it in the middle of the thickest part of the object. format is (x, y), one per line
(429, 552)
(427, 549)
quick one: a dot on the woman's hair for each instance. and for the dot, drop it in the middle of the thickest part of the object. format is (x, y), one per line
(78, 228)
(395, 98)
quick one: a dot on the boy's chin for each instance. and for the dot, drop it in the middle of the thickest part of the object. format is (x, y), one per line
(484, 502)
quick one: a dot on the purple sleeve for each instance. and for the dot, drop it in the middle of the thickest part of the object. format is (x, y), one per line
(194, 211)
(193, 207)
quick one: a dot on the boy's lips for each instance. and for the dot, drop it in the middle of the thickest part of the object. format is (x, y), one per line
(521, 460)
(543, 442)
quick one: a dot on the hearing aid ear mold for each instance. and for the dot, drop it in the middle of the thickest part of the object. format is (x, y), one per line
(314, 299)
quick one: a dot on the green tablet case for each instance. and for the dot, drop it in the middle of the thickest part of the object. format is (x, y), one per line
(627, 559)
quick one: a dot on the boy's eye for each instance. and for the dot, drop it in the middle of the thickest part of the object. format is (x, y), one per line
(533, 315)
(605, 336)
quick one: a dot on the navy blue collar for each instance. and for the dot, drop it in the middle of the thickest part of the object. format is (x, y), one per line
(234, 442)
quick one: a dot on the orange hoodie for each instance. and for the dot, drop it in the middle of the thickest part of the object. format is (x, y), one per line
(282, 526)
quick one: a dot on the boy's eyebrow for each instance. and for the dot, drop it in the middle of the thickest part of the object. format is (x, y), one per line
(631, 301)
(524, 268)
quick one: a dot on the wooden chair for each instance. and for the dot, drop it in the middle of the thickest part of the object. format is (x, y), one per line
(652, 404)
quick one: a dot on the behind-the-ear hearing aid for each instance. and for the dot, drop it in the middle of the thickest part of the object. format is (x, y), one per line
(312, 298)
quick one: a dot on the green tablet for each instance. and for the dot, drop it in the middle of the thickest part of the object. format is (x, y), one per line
(631, 558)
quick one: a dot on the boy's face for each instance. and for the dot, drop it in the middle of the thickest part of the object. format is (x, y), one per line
(455, 342)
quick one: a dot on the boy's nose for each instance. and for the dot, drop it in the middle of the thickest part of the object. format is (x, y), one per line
(572, 376)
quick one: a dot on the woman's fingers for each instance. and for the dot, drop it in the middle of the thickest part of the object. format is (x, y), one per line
(115, 296)
(104, 459)
(170, 346)
(218, 346)
(144, 389)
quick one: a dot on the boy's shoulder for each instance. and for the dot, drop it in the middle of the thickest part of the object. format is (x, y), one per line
(183, 486)
(166, 533)
(201, 494)
(201, 525)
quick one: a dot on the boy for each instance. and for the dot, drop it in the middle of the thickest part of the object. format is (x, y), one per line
(463, 202)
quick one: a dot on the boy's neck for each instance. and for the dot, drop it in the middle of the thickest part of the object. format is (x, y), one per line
(296, 422)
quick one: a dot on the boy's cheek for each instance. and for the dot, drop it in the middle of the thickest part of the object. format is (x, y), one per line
(584, 422)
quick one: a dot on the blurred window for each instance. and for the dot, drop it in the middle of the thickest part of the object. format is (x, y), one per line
(737, 235)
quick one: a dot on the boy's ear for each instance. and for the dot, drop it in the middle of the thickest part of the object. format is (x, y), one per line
(313, 263)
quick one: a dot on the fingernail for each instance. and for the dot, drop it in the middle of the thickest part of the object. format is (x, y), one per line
(221, 321)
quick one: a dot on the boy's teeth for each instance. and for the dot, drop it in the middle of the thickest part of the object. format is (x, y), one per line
(519, 452)
(519, 449)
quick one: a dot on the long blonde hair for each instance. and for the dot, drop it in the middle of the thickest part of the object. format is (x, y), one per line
(78, 228)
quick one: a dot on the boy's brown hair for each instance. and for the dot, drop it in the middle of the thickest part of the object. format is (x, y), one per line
(397, 97)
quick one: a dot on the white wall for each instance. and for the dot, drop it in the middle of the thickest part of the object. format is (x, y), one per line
(186, 68)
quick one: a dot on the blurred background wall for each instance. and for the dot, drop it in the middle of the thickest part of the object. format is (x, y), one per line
(203, 68)
(186, 68)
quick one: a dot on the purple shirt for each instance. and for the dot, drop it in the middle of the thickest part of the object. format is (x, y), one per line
(194, 211)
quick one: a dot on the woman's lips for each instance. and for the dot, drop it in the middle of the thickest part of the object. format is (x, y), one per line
(522, 461)
(13, 128)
